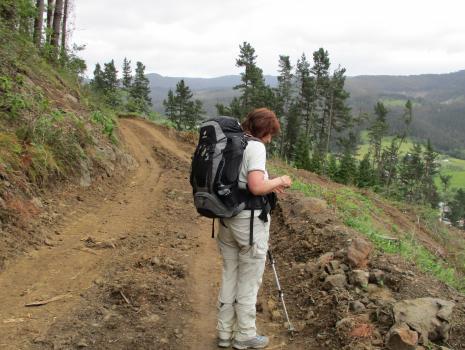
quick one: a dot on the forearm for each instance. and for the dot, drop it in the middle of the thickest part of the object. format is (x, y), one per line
(265, 186)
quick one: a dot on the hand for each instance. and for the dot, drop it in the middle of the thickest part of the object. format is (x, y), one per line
(279, 190)
(286, 181)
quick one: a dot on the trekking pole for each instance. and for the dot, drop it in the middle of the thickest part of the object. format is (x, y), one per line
(290, 328)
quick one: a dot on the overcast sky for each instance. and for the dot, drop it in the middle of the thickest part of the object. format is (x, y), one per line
(201, 38)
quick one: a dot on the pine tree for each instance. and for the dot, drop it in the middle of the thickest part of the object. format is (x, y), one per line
(332, 167)
(347, 171)
(127, 74)
(365, 173)
(284, 98)
(338, 113)
(305, 95)
(184, 112)
(139, 100)
(320, 72)
(252, 87)
(110, 84)
(38, 22)
(431, 169)
(302, 154)
(376, 132)
(97, 83)
(292, 132)
(56, 26)
(457, 208)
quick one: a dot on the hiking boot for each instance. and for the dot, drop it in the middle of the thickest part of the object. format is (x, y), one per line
(257, 342)
(224, 343)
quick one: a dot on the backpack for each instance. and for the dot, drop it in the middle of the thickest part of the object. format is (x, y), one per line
(215, 168)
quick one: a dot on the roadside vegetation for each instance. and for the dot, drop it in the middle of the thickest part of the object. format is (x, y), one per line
(365, 213)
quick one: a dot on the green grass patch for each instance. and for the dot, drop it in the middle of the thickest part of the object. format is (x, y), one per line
(356, 211)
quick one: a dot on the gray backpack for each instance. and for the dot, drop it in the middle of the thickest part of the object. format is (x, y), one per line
(215, 168)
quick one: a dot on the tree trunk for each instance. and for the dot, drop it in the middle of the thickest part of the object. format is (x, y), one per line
(50, 6)
(38, 22)
(63, 26)
(57, 16)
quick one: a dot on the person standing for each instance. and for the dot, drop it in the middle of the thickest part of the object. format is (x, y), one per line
(243, 239)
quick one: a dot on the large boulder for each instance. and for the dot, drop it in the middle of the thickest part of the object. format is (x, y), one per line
(358, 253)
(429, 317)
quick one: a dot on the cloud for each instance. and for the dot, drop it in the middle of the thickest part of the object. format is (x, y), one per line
(202, 38)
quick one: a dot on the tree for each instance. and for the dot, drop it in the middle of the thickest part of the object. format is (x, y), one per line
(38, 21)
(338, 114)
(284, 98)
(457, 208)
(127, 74)
(57, 17)
(305, 94)
(63, 30)
(302, 154)
(110, 84)
(184, 112)
(376, 132)
(140, 90)
(98, 82)
(431, 169)
(365, 173)
(252, 87)
(320, 72)
(49, 29)
(392, 154)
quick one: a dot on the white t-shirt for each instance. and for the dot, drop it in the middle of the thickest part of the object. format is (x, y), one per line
(254, 158)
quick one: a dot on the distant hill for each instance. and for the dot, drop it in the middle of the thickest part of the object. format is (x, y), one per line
(439, 100)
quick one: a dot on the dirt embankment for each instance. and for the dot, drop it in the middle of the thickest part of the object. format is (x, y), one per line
(133, 267)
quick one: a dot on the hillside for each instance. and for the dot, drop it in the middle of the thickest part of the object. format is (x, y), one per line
(52, 136)
(439, 104)
(133, 275)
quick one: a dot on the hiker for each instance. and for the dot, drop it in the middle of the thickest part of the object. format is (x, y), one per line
(243, 239)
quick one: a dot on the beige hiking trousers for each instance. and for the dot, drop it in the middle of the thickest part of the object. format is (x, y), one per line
(243, 268)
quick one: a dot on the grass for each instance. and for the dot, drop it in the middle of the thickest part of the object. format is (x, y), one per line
(356, 211)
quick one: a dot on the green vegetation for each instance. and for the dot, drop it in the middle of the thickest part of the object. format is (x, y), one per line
(449, 166)
(43, 136)
(358, 211)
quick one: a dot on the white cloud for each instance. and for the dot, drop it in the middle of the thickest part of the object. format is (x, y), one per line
(201, 38)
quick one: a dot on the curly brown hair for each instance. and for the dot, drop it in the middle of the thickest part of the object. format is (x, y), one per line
(261, 122)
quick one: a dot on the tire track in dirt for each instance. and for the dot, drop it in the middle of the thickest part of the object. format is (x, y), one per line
(69, 268)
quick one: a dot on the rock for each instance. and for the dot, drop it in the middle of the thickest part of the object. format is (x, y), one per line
(309, 206)
(37, 202)
(357, 306)
(71, 98)
(276, 315)
(335, 281)
(311, 267)
(155, 261)
(358, 253)
(377, 276)
(428, 316)
(359, 278)
(82, 344)
(325, 259)
(332, 266)
(401, 337)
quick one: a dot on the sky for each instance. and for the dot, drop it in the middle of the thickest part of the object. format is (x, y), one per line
(201, 38)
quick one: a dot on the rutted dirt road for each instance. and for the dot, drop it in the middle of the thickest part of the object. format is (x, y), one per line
(139, 220)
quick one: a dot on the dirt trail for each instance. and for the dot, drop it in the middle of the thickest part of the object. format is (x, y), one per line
(69, 267)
